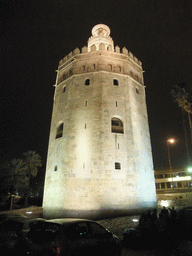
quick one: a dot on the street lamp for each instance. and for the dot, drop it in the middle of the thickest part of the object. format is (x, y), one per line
(170, 141)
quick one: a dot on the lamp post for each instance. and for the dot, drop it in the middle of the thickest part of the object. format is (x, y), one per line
(170, 141)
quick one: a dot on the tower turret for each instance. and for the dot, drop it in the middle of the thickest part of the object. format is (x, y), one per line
(100, 35)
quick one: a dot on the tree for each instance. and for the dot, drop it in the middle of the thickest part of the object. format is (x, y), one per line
(32, 161)
(16, 175)
(11, 178)
(183, 97)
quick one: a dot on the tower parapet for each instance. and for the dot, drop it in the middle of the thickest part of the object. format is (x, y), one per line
(100, 55)
(84, 49)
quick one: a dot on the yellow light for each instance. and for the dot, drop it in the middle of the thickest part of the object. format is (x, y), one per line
(179, 178)
(171, 141)
(164, 203)
(135, 220)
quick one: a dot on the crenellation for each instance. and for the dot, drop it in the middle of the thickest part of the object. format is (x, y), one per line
(61, 62)
(84, 49)
(69, 55)
(117, 49)
(130, 55)
(125, 51)
(94, 50)
(76, 51)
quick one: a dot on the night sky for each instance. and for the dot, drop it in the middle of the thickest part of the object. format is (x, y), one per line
(36, 34)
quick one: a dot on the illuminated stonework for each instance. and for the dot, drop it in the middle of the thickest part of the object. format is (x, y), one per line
(99, 156)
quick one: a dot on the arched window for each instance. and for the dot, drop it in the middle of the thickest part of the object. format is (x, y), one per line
(64, 88)
(59, 133)
(116, 125)
(87, 82)
(109, 66)
(109, 48)
(115, 82)
(118, 69)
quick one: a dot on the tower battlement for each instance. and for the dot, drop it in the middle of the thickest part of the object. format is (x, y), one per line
(100, 60)
(117, 49)
(100, 41)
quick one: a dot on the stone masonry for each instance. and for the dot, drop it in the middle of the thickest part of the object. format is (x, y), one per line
(99, 156)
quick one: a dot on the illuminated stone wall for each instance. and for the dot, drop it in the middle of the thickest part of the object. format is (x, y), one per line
(81, 176)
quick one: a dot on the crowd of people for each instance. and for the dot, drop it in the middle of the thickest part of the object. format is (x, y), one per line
(163, 221)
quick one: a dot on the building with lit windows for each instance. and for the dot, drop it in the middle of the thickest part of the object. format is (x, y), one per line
(174, 188)
(99, 156)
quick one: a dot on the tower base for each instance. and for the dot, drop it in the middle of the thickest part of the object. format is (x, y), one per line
(97, 214)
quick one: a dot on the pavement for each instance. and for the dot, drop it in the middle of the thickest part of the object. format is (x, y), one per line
(182, 248)
(168, 245)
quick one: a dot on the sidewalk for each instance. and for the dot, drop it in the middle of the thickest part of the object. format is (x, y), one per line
(181, 247)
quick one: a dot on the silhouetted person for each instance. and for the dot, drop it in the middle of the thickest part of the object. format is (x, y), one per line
(142, 221)
(164, 211)
(154, 216)
(154, 220)
(173, 214)
(163, 220)
(173, 219)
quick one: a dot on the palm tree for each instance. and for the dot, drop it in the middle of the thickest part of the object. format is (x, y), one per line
(184, 99)
(12, 176)
(32, 161)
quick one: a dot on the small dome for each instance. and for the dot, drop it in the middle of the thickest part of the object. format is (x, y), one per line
(101, 30)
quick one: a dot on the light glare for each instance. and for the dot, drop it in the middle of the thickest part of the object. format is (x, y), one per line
(171, 141)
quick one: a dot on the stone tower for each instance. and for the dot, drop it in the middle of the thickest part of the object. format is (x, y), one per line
(99, 157)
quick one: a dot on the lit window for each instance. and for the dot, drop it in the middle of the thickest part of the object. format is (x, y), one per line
(168, 184)
(116, 125)
(87, 82)
(157, 185)
(159, 176)
(117, 166)
(162, 185)
(115, 82)
(179, 184)
(59, 133)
